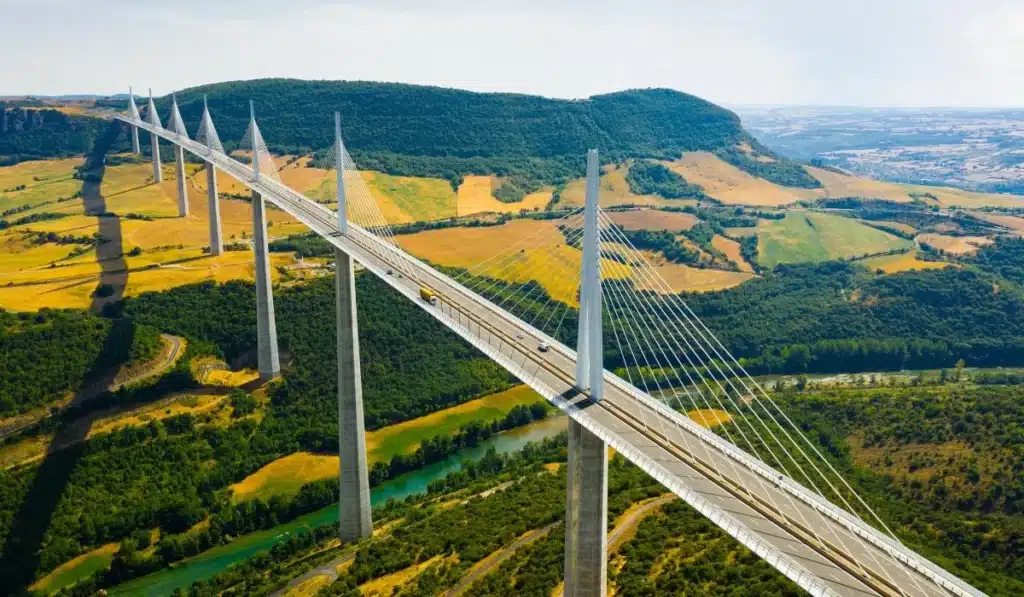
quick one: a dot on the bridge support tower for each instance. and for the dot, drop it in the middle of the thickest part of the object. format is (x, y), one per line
(355, 516)
(154, 119)
(586, 512)
(216, 237)
(179, 163)
(266, 326)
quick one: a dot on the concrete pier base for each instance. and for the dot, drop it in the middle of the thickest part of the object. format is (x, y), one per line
(216, 236)
(158, 173)
(266, 327)
(135, 140)
(586, 514)
(354, 518)
(182, 180)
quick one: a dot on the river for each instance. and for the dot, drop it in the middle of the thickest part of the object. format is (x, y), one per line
(215, 560)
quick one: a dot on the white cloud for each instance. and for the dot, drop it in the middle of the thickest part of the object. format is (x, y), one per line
(876, 52)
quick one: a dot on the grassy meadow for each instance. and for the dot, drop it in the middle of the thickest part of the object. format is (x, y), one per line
(811, 236)
(77, 569)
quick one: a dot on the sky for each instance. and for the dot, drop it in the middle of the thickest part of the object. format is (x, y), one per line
(825, 52)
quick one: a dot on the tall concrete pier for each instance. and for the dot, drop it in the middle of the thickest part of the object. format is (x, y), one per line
(354, 513)
(182, 179)
(266, 326)
(354, 501)
(586, 510)
(208, 134)
(216, 236)
(154, 119)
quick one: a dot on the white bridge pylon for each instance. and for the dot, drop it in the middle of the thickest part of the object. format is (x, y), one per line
(768, 487)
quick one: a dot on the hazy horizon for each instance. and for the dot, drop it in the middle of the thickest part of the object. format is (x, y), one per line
(897, 53)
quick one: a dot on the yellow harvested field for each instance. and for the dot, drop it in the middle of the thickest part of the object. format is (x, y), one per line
(171, 246)
(731, 249)
(900, 262)
(286, 475)
(183, 405)
(615, 191)
(709, 417)
(476, 195)
(841, 185)
(386, 585)
(683, 278)
(652, 219)
(958, 245)
(231, 379)
(310, 586)
(729, 184)
(1012, 222)
(72, 286)
(548, 260)
(544, 255)
(44, 180)
(299, 176)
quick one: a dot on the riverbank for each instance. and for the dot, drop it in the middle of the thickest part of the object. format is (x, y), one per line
(208, 563)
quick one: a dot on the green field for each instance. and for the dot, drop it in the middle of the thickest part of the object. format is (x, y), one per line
(400, 199)
(77, 569)
(808, 236)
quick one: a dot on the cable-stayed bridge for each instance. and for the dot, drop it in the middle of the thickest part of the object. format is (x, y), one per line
(759, 479)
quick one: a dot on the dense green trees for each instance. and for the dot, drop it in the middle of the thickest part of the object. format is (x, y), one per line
(962, 309)
(763, 163)
(433, 121)
(45, 354)
(651, 178)
(34, 133)
(1005, 257)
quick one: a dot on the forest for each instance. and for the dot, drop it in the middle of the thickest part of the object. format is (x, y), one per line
(35, 133)
(50, 352)
(435, 121)
(961, 508)
(651, 178)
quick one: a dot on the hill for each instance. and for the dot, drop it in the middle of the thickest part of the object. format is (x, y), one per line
(435, 121)
(433, 131)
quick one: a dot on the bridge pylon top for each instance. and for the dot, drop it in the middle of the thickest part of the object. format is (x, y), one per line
(133, 110)
(152, 117)
(176, 124)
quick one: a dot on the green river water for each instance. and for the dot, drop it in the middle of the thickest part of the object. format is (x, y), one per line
(211, 562)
